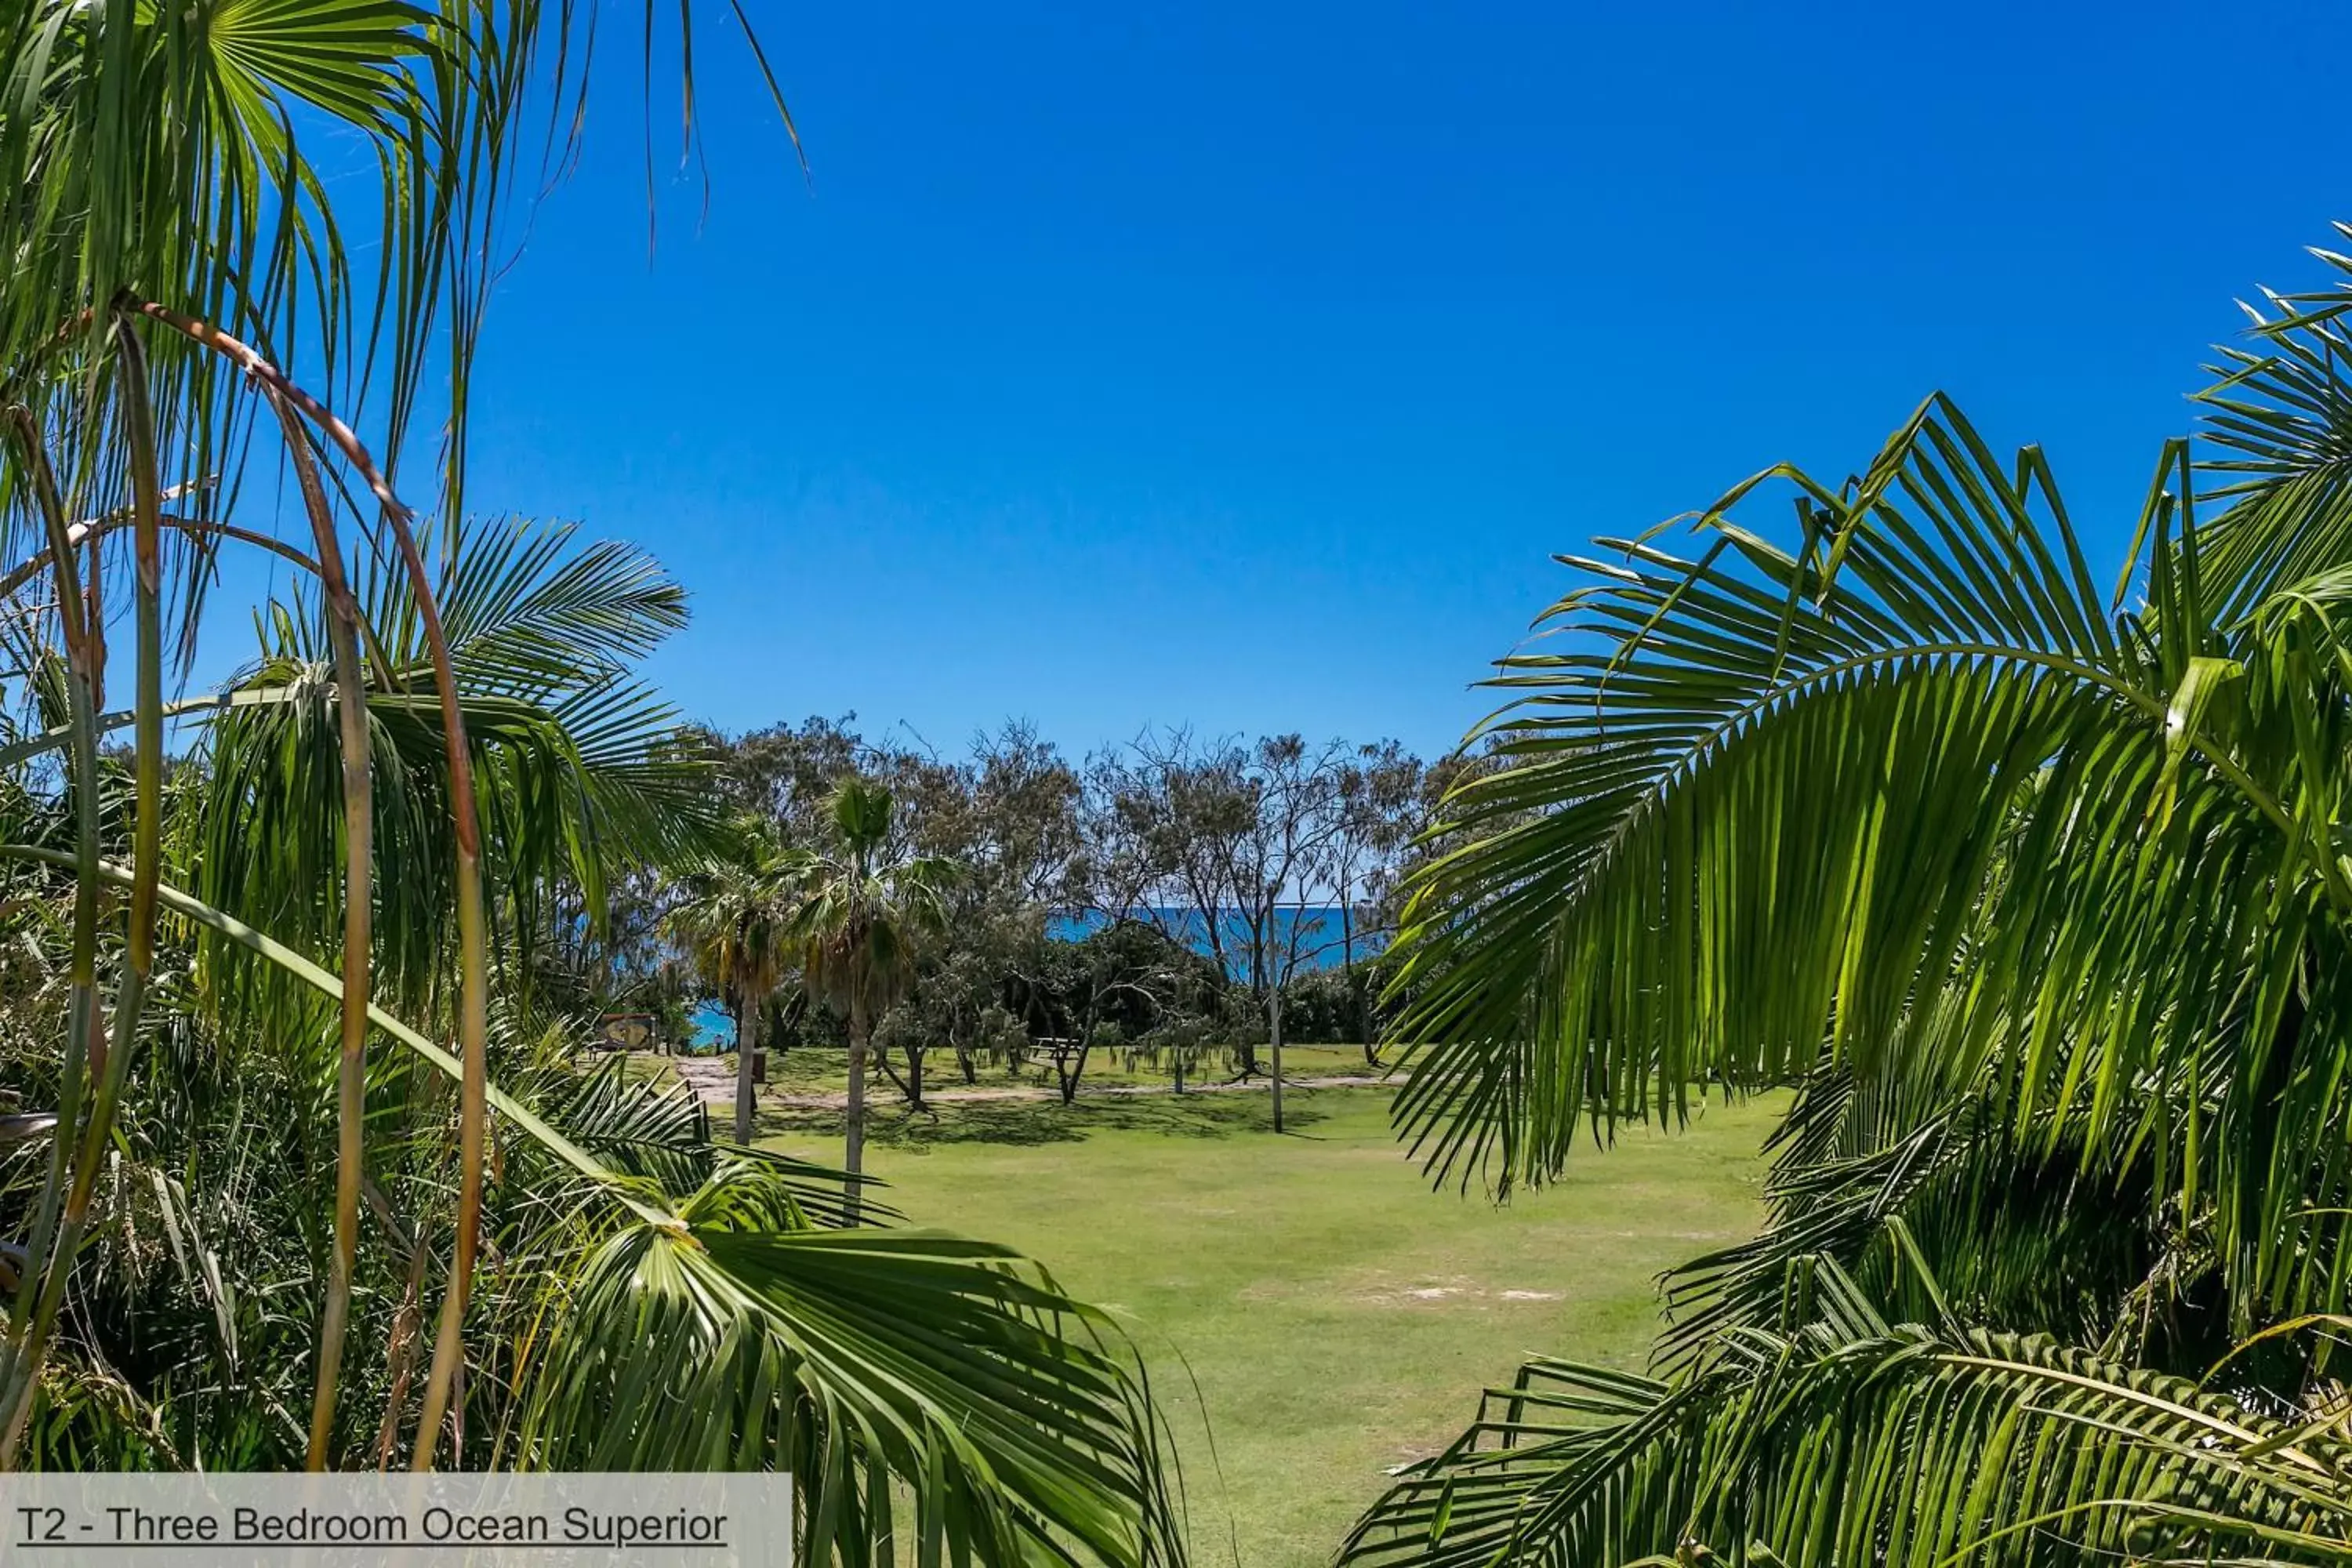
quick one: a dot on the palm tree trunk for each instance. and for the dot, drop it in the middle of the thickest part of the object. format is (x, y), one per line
(359, 812)
(473, 952)
(85, 1047)
(854, 1157)
(746, 1047)
(106, 1073)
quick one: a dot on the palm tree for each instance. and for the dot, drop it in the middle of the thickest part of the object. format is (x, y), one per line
(614, 1202)
(2033, 877)
(863, 905)
(277, 985)
(731, 928)
(168, 239)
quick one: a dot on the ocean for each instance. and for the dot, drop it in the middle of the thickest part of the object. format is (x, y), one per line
(1318, 931)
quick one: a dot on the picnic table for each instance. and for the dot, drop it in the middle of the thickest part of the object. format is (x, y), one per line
(1056, 1050)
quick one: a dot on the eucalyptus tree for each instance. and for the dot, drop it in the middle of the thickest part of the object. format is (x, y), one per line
(1282, 871)
(863, 905)
(1382, 789)
(1175, 808)
(2033, 875)
(1008, 819)
(785, 774)
(1025, 808)
(729, 921)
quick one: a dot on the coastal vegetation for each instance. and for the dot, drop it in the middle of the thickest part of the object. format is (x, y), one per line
(299, 1163)
(2000, 876)
(1193, 903)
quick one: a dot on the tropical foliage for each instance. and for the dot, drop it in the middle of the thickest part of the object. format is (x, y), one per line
(861, 906)
(298, 1163)
(729, 922)
(2033, 875)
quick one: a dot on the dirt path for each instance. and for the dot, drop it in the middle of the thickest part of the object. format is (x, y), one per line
(712, 1079)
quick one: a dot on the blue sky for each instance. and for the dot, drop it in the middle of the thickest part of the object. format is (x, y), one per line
(1242, 364)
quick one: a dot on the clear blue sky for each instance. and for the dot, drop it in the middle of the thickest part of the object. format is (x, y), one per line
(1243, 363)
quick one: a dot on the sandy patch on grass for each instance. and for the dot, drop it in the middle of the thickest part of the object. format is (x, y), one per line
(1449, 1290)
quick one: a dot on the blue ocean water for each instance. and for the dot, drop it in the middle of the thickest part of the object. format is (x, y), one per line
(1317, 936)
(1319, 943)
(714, 1028)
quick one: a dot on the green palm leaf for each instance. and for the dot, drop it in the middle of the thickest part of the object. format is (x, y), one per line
(859, 1360)
(1847, 1441)
(2040, 894)
(581, 774)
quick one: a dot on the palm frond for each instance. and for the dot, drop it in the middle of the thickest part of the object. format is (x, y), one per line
(860, 1361)
(1849, 1441)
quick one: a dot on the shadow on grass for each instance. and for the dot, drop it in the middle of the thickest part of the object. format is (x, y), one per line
(1038, 1122)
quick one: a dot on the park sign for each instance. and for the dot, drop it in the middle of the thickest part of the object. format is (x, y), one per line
(625, 1031)
(61, 1519)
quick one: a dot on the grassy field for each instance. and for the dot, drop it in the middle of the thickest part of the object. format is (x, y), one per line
(1336, 1317)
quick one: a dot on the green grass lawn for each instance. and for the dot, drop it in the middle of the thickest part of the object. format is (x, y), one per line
(1338, 1317)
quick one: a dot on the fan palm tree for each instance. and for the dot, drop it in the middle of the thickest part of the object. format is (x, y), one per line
(2034, 876)
(863, 905)
(731, 928)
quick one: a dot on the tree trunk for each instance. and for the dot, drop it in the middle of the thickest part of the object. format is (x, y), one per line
(1274, 1037)
(1069, 1066)
(854, 1160)
(1211, 911)
(747, 1044)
